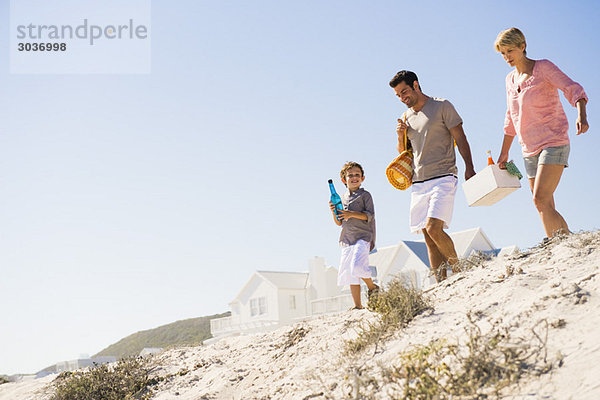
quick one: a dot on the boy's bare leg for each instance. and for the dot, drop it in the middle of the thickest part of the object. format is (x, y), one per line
(369, 282)
(355, 291)
(440, 246)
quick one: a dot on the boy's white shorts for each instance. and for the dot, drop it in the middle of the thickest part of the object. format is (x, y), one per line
(354, 264)
(432, 199)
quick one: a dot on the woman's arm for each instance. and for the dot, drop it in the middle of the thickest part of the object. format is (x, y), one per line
(582, 123)
(509, 131)
(503, 157)
(573, 91)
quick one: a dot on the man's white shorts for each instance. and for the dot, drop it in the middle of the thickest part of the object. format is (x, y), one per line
(432, 199)
(354, 264)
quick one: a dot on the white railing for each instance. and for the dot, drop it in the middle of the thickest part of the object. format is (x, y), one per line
(329, 305)
(335, 304)
(220, 325)
(230, 325)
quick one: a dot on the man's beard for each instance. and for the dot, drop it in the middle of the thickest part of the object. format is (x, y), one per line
(410, 103)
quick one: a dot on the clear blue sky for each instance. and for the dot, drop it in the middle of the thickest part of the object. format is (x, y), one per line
(132, 201)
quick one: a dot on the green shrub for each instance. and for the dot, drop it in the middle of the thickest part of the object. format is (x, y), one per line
(396, 306)
(126, 380)
(475, 260)
(481, 368)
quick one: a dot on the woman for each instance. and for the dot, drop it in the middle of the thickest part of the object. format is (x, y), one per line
(536, 115)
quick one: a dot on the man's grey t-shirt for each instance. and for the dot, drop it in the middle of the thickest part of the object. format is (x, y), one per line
(355, 229)
(430, 138)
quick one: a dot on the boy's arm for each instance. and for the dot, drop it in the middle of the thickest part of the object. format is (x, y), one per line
(366, 215)
(346, 214)
(332, 208)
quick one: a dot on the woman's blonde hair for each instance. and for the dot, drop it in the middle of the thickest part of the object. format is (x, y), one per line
(511, 37)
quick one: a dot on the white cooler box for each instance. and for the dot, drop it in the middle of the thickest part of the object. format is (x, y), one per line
(489, 186)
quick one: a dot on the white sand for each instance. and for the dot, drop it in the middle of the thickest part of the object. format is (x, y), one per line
(559, 281)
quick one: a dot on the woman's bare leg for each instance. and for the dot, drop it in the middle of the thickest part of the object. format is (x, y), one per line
(543, 186)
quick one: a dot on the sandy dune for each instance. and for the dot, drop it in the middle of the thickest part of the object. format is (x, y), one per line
(556, 286)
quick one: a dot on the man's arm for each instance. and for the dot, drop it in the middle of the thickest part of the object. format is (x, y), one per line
(463, 147)
(401, 132)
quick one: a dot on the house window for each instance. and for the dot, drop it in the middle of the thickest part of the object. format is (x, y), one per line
(258, 306)
(253, 307)
(262, 305)
(292, 302)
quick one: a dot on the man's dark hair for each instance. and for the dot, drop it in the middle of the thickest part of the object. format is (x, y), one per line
(405, 76)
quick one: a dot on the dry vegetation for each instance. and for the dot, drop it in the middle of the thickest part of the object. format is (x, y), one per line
(397, 306)
(484, 362)
(477, 367)
(128, 379)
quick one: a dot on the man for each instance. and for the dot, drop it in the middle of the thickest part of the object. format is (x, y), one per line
(432, 126)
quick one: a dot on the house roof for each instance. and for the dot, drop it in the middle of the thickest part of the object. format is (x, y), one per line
(285, 280)
(419, 249)
(383, 256)
(463, 239)
(279, 280)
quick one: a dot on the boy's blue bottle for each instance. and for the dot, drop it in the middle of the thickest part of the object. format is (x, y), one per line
(335, 199)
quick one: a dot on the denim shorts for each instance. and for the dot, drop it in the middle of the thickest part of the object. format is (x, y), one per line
(550, 155)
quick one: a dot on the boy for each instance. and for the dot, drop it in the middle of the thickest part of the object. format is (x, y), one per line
(357, 238)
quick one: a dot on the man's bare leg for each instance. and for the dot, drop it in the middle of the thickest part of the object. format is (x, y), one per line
(434, 228)
(435, 258)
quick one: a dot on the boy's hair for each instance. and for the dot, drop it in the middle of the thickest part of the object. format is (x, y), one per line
(511, 37)
(405, 76)
(347, 166)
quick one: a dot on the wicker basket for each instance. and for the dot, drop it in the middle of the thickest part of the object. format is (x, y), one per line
(400, 171)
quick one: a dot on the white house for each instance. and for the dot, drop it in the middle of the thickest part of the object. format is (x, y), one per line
(324, 295)
(73, 365)
(148, 351)
(271, 299)
(406, 259)
(409, 260)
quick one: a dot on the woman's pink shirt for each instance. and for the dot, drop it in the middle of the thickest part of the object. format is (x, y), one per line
(534, 111)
